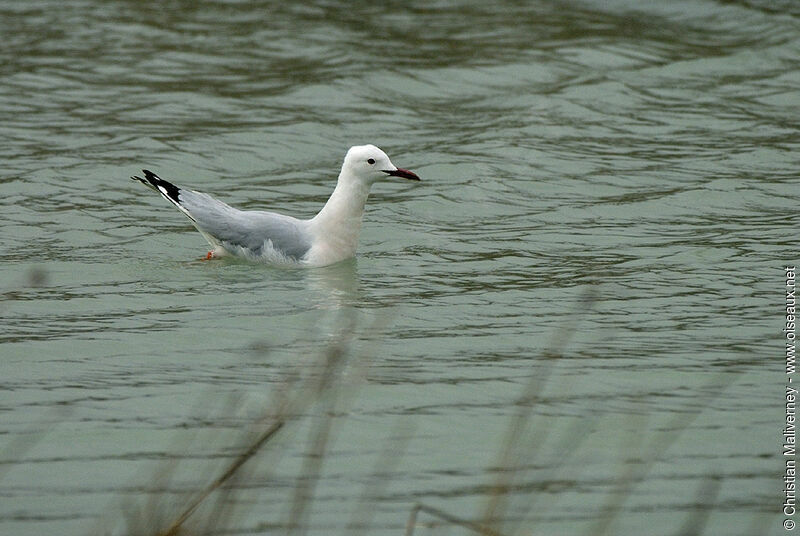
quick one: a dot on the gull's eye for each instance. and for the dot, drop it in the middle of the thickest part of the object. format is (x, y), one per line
(370, 161)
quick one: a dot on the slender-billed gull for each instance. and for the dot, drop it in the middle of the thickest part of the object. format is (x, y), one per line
(330, 236)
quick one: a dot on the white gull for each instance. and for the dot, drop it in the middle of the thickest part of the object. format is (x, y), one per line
(329, 237)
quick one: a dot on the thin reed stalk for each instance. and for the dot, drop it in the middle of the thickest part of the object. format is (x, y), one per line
(478, 528)
(526, 403)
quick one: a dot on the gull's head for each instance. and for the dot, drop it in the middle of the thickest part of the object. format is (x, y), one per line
(367, 163)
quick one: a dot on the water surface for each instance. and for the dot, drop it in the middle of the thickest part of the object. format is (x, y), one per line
(611, 183)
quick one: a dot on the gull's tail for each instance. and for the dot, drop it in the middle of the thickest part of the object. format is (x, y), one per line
(168, 191)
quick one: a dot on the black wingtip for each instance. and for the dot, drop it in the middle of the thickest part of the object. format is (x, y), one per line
(165, 187)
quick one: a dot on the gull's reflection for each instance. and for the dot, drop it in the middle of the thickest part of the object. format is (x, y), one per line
(335, 287)
(336, 294)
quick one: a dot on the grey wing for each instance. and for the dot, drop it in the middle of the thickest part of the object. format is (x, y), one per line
(252, 230)
(223, 225)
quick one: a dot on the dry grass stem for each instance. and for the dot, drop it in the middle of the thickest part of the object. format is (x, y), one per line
(470, 525)
(509, 451)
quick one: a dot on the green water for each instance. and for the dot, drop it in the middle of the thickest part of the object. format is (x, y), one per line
(609, 198)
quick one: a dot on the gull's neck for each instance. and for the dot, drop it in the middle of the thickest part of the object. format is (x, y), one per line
(345, 205)
(338, 225)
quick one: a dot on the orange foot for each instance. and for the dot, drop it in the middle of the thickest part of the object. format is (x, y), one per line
(208, 257)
